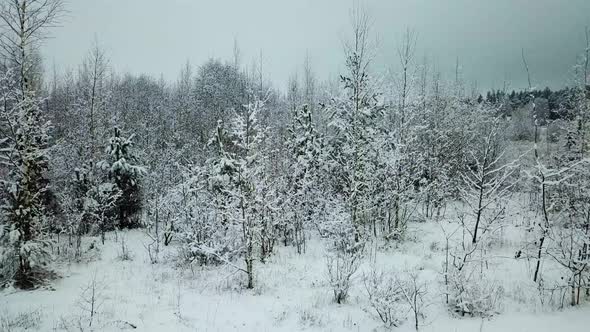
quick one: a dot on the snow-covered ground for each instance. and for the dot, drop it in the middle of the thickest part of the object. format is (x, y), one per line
(291, 292)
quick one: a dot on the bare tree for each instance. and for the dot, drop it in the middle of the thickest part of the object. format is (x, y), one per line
(309, 83)
(358, 56)
(541, 177)
(24, 25)
(424, 82)
(294, 93)
(359, 112)
(237, 54)
(93, 76)
(405, 52)
(486, 182)
(586, 56)
(414, 293)
(91, 299)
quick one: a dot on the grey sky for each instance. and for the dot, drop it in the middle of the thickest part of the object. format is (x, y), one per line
(158, 36)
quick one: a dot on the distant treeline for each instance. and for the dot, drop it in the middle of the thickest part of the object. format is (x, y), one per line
(556, 104)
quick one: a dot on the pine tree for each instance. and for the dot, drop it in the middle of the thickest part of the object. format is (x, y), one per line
(25, 245)
(123, 171)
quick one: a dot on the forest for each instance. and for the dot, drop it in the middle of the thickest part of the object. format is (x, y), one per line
(369, 201)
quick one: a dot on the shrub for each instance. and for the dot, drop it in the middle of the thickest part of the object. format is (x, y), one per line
(385, 298)
(343, 258)
(474, 294)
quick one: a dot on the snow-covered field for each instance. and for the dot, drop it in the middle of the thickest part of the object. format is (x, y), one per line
(291, 291)
(329, 173)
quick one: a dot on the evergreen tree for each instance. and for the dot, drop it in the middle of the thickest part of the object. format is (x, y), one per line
(126, 174)
(25, 245)
(303, 181)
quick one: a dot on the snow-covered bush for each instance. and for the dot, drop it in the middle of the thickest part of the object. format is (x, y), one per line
(22, 321)
(341, 267)
(203, 245)
(124, 253)
(196, 216)
(385, 297)
(474, 293)
(34, 253)
(310, 318)
(99, 205)
(343, 256)
(394, 295)
(469, 287)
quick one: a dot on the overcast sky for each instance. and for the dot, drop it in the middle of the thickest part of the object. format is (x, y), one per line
(158, 36)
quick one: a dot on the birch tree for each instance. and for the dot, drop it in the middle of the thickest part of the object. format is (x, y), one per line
(25, 25)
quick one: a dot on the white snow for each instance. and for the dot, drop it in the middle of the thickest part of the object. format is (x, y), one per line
(291, 291)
